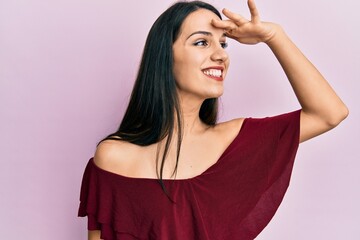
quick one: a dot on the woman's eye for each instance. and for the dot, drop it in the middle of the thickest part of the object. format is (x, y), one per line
(224, 44)
(201, 43)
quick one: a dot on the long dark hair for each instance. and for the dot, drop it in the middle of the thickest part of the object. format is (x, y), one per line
(154, 107)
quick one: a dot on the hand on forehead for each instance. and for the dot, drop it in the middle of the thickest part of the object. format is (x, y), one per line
(201, 20)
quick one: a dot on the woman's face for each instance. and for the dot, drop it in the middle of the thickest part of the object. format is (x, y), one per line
(200, 61)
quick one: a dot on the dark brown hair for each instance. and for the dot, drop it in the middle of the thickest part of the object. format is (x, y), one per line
(153, 108)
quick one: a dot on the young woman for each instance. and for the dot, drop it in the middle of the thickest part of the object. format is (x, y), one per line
(171, 171)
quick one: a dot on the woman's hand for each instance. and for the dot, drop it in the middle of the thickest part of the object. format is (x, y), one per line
(245, 31)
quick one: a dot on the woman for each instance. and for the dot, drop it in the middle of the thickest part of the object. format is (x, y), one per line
(171, 171)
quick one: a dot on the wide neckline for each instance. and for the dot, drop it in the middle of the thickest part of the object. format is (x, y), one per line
(227, 149)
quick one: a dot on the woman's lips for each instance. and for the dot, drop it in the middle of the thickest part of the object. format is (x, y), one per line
(214, 72)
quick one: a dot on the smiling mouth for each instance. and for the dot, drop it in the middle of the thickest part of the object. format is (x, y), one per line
(213, 72)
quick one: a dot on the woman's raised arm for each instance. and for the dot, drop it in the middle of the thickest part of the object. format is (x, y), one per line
(322, 109)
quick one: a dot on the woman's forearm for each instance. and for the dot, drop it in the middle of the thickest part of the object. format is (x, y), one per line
(315, 95)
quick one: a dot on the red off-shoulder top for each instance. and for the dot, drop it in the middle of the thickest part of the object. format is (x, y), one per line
(233, 199)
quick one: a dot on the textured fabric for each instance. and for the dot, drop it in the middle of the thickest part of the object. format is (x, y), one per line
(233, 199)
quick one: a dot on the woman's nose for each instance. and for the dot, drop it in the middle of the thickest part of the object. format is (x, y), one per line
(219, 55)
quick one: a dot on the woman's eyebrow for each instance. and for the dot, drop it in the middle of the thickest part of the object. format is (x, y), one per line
(200, 32)
(203, 33)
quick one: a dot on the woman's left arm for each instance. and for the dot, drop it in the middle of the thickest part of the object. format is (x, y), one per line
(322, 109)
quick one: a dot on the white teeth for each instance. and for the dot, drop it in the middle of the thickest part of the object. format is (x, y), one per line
(213, 72)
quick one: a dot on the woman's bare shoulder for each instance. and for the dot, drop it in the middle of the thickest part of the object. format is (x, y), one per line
(115, 155)
(232, 126)
(229, 130)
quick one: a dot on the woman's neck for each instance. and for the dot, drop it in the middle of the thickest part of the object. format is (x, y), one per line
(190, 119)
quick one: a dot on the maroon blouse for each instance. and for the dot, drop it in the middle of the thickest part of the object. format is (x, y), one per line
(233, 199)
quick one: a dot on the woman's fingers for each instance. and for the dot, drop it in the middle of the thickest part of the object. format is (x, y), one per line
(236, 18)
(255, 17)
(240, 20)
(243, 30)
(224, 24)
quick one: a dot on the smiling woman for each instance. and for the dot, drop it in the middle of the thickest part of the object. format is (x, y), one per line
(171, 171)
(200, 61)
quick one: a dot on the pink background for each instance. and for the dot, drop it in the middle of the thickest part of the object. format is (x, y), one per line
(66, 71)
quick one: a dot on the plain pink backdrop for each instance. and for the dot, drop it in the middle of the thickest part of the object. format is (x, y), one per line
(67, 69)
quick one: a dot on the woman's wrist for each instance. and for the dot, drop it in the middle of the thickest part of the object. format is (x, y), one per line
(274, 34)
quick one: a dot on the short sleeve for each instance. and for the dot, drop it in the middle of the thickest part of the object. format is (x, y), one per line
(279, 137)
(287, 146)
(96, 201)
(285, 131)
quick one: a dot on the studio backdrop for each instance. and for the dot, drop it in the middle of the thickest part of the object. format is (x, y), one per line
(66, 72)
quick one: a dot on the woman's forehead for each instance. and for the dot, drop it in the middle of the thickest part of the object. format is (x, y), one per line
(199, 20)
